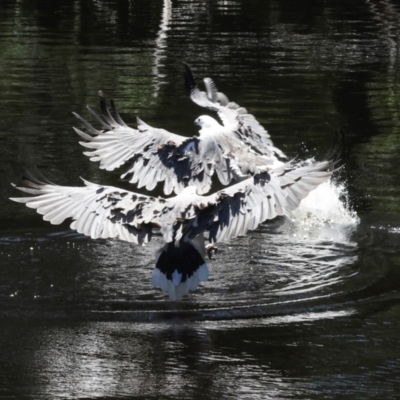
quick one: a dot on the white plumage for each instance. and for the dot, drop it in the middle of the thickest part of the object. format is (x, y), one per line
(157, 155)
(184, 220)
(240, 148)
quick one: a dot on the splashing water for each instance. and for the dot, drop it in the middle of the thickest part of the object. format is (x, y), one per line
(324, 214)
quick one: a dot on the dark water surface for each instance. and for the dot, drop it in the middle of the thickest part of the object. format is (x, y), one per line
(301, 308)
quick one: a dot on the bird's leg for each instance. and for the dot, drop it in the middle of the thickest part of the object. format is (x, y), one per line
(212, 249)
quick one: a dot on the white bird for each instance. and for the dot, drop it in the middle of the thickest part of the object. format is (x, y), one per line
(235, 118)
(237, 149)
(185, 221)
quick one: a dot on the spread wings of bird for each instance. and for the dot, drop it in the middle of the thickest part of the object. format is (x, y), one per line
(108, 212)
(104, 212)
(157, 155)
(235, 119)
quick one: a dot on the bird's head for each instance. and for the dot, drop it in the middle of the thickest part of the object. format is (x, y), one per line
(207, 124)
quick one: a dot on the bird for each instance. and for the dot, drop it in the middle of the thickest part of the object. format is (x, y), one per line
(235, 119)
(161, 156)
(235, 150)
(186, 221)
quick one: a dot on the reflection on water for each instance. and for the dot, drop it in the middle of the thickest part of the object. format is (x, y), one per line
(161, 45)
(305, 306)
(103, 359)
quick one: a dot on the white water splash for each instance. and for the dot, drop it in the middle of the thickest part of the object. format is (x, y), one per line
(324, 214)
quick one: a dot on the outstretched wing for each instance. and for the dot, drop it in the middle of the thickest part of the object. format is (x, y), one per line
(156, 154)
(244, 206)
(97, 211)
(108, 212)
(235, 118)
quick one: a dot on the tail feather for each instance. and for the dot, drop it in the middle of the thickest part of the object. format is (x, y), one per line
(179, 269)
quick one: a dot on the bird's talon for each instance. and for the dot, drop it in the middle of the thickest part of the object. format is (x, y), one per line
(212, 250)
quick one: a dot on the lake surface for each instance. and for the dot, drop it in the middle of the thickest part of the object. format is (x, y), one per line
(306, 307)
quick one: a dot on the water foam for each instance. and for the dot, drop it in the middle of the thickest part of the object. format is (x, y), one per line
(324, 214)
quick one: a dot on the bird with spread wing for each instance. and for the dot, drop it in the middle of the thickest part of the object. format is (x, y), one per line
(235, 119)
(186, 221)
(191, 223)
(237, 149)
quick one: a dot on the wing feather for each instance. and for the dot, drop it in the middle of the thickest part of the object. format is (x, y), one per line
(96, 211)
(160, 156)
(245, 205)
(109, 212)
(241, 124)
(157, 155)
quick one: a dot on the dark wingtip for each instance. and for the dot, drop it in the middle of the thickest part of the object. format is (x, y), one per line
(190, 80)
(187, 67)
(335, 154)
(116, 113)
(102, 101)
(106, 112)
